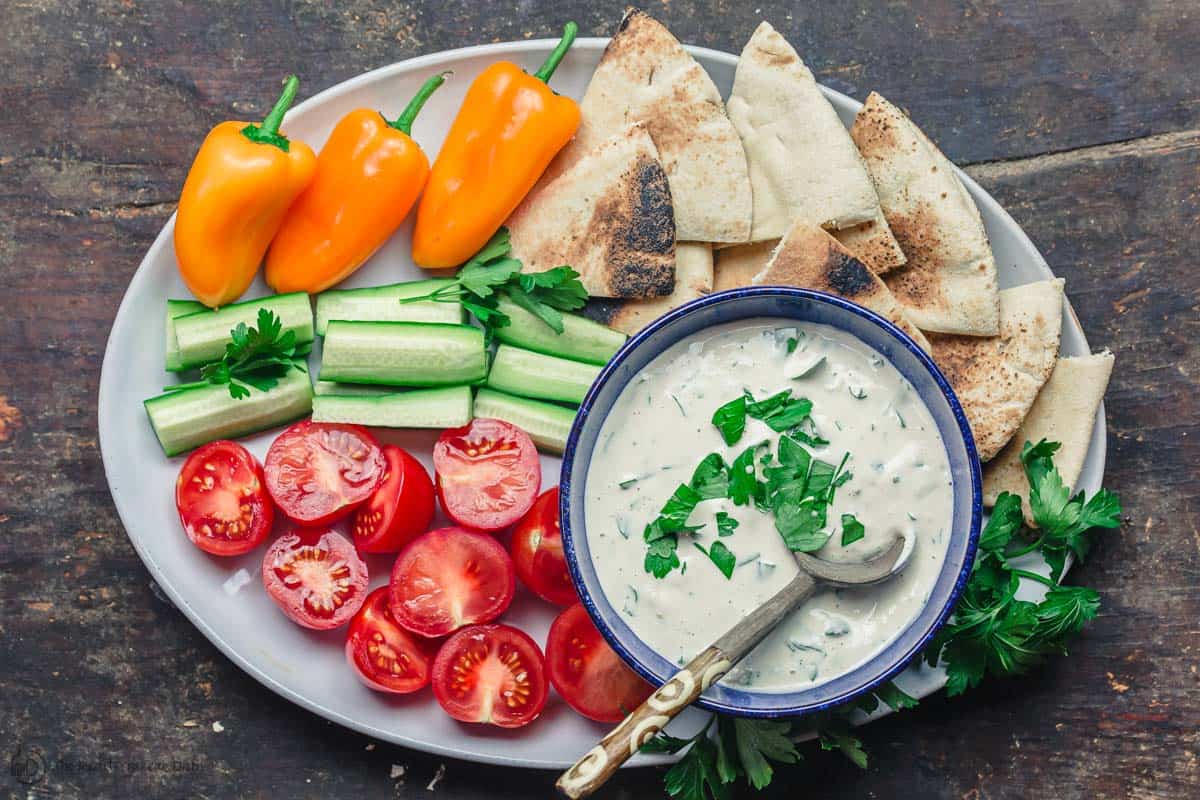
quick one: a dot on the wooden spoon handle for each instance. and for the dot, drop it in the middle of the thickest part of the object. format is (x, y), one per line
(598, 764)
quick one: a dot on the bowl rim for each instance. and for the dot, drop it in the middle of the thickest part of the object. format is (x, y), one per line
(893, 668)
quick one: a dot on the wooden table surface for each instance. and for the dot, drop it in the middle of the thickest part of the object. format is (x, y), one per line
(1081, 116)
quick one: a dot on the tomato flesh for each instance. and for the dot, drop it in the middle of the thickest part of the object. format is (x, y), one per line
(449, 578)
(386, 657)
(317, 472)
(493, 674)
(587, 672)
(222, 499)
(537, 552)
(399, 510)
(315, 577)
(488, 473)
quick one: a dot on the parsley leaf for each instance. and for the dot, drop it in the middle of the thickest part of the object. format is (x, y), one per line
(255, 357)
(780, 411)
(721, 556)
(674, 515)
(800, 525)
(725, 524)
(730, 420)
(758, 742)
(852, 529)
(695, 776)
(1005, 521)
(711, 477)
(493, 273)
(743, 478)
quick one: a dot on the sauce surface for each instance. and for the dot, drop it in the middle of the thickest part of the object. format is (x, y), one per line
(660, 429)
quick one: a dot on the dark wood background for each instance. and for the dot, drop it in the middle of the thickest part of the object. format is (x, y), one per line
(1081, 116)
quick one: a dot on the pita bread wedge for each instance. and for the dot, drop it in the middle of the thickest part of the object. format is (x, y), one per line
(1065, 411)
(736, 266)
(803, 164)
(693, 279)
(997, 378)
(609, 216)
(873, 243)
(810, 258)
(949, 284)
(646, 76)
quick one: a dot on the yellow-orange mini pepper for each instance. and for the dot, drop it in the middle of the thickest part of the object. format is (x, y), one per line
(510, 126)
(239, 187)
(368, 177)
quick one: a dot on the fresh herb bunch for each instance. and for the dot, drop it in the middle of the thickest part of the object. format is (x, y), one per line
(493, 273)
(255, 357)
(992, 633)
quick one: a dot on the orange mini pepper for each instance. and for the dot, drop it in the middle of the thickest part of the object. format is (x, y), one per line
(239, 187)
(369, 175)
(510, 126)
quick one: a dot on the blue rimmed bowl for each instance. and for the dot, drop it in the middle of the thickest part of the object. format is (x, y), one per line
(791, 305)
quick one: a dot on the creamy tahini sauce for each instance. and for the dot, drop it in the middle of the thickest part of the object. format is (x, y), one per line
(660, 429)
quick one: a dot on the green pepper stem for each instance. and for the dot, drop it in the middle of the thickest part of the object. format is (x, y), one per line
(404, 122)
(268, 131)
(552, 61)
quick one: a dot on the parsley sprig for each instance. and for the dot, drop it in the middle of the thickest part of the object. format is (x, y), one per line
(493, 273)
(254, 357)
(992, 633)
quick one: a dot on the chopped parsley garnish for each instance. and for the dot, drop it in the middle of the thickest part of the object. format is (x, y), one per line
(711, 477)
(720, 555)
(781, 412)
(730, 420)
(852, 530)
(726, 524)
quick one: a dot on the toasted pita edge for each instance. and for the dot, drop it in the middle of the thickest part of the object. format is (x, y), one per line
(700, 149)
(808, 257)
(1065, 411)
(949, 283)
(693, 280)
(609, 216)
(997, 378)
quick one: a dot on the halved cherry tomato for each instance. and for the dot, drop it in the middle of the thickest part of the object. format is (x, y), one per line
(449, 578)
(587, 672)
(537, 552)
(488, 473)
(315, 577)
(222, 500)
(386, 657)
(491, 673)
(400, 509)
(320, 471)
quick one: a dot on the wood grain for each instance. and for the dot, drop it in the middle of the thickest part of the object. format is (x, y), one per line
(1082, 117)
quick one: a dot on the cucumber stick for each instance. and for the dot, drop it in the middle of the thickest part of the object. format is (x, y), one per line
(403, 353)
(581, 339)
(176, 309)
(447, 407)
(351, 389)
(538, 375)
(202, 336)
(189, 418)
(546, 423)
(382, 304)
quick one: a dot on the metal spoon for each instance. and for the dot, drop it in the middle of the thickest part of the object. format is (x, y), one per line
(596, 766)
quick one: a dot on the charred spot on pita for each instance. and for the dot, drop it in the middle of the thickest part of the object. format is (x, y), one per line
(848, 276)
